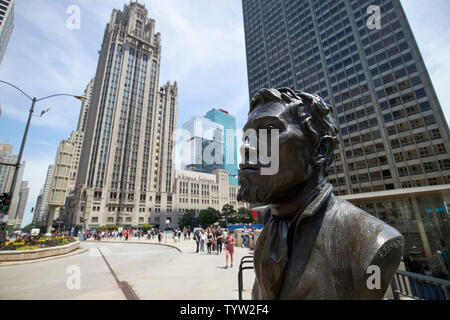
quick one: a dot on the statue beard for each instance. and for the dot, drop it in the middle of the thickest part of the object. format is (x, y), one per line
(263, 190)
(255, 193)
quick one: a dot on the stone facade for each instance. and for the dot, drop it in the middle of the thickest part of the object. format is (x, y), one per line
(127, 157)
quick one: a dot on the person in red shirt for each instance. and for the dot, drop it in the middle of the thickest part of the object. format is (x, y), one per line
(229, 248)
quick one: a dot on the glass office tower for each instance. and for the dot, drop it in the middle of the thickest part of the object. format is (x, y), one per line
(203, 146)
(393, 132)
(230, 142)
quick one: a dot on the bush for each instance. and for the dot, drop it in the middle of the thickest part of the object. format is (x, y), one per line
(208, 217)
(37, 243)
(146, 227)
(28, 248)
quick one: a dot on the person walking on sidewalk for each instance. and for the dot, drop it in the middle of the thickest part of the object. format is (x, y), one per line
(229, 248)
(210, 240)
(197, 240)
(219, 240)
(202, 240)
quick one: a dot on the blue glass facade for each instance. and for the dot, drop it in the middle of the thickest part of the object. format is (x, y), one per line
(230, 142)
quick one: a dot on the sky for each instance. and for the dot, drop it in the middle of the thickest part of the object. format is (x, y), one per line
(203, 49)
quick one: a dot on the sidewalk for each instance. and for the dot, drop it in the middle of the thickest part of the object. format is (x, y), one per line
(192, 276)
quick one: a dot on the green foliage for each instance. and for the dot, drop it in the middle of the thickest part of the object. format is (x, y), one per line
(229, 214)
(208, 217)
(146, 227)
(245, 216)
(28, 248)
(28, 228)
(108, 228)
(189, 219)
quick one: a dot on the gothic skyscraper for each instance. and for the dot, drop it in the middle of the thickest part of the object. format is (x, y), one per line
(126, 169)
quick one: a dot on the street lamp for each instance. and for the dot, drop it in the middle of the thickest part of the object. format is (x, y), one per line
(33, 100)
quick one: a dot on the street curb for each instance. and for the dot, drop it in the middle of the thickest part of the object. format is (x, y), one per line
(137, 242)
(18, 263)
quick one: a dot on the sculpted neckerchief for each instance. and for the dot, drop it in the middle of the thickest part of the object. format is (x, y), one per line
(278, 242)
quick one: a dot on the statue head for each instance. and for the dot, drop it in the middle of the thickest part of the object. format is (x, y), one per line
(307, 135)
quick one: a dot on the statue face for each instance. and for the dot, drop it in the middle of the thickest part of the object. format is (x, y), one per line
(295, 156)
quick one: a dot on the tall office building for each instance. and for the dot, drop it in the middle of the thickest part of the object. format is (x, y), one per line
(23, 198)
(6, 179)
(203, 146)
(393, 132)
(41, 212)
(6, 172)
(126, 164)
(36, 208)
(6, 24)
(88, 92)
(228, 122)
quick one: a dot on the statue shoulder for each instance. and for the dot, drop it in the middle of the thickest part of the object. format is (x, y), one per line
(367, 226)
(380, 246)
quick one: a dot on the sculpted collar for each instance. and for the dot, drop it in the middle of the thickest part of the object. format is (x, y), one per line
(280, 235)
(279, 245)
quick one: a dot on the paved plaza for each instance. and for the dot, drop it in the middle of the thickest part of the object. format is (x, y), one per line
(152, 271)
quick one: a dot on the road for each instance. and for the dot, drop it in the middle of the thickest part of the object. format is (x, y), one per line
(152, 271)
(55, 279)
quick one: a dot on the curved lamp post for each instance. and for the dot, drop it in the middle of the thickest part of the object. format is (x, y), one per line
(33, 100)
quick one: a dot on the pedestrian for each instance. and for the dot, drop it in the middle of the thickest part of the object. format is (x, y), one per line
(197, 240)
(219, 240)
(246, 237)
(210, 240)
(229, 248)
(202, 240)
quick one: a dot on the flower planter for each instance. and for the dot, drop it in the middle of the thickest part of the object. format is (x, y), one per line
(23, 255)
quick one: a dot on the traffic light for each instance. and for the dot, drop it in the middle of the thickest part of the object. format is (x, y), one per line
(5, 201)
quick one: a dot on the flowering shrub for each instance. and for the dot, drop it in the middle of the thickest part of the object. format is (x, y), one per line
(37, 243)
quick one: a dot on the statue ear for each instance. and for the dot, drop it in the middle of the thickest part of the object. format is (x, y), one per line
(325, 147)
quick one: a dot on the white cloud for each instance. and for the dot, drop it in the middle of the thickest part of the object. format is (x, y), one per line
(203, 49)
(431, 28)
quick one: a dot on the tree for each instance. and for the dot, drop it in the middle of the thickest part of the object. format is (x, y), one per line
(245, 216)
(228, 213)
(189, 219)
(28, 228)
(208, 217)
(146, 227)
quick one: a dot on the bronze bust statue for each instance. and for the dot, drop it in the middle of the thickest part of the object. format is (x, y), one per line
(313, 245)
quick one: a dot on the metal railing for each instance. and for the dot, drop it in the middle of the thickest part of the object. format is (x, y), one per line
(408, 284)
(419, 287)
(244, 260)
